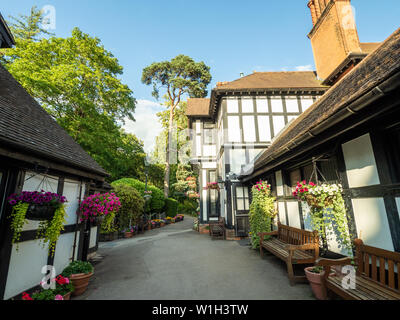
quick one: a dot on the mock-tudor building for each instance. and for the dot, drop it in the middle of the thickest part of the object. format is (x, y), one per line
(36, 153)
(233, 129)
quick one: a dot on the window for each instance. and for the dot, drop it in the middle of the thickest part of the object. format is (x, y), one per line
(209, 136)
(213, 196)
(306, 102)
(279, 124)
(264, 128)
(242, 198)
(234, 132)
(292, 105)
(392, 147)
(295, 176)
(249, 129)
(276, 104)
(247, 105)
(232, 106)
(262, 105)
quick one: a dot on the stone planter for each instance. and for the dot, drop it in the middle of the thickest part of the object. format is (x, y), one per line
(317, 283)
(80, 282)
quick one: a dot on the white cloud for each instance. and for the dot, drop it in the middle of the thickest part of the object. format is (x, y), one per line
(307, 67)
(146, 127)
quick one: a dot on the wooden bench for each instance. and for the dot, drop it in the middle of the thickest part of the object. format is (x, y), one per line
(375, 278)
(217, 229)
(292, 245)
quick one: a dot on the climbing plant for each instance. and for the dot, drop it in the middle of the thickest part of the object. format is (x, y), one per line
(327, 211)
(262, 211)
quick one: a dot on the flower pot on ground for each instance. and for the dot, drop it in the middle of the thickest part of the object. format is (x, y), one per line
(128, 234)
(67, 296)
(79, 272)
(315, 276)
(64, 287)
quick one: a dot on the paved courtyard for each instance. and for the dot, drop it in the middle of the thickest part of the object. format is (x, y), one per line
(177, 263)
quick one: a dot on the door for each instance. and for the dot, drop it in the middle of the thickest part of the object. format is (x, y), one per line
(213, 196)
(242, 208)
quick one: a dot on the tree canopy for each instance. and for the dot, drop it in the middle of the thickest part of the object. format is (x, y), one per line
(180, 77)
(77, 81)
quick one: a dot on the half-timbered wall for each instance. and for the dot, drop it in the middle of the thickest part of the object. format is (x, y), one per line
(25, 264)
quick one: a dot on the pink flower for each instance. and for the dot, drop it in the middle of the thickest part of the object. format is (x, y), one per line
(59, 297)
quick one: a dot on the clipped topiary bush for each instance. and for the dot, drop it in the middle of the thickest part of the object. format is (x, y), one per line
(171, 207)
(157, 202)
(132, 205)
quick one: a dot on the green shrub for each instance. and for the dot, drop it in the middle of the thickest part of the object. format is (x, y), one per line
(132, 205)
(188, 207)
(76, 267)
(171, 207)
(157, 202)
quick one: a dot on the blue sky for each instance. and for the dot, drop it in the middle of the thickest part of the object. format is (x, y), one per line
(231, 36)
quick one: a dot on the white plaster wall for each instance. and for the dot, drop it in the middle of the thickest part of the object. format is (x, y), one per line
(34, 182)
(71, 192)
(209, 165)
(360, 162)
(293, 214)
(64, 251)
(372, 223)
(279, 183)
(282, 213)
(25, 267)
(93, 237)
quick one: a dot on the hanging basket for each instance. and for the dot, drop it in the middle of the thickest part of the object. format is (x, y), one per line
(40, 212)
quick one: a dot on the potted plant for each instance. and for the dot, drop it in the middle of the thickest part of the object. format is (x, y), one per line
(79, 272)
(128, 233)
(212, 186)
(43, 295)
(315, 276)
(64, 287)
(327, 211)
(46, 207)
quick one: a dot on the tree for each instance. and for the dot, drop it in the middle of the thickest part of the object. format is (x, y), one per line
(179, 77)
(77, 81)
(28, 27)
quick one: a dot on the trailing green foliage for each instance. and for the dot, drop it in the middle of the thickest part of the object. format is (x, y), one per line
(108, 225)
(189, 207)
(262, 211)
(132, 206)
(18, 220)
(49, 231)
(327, 212)
(171, 207)
(157, 202)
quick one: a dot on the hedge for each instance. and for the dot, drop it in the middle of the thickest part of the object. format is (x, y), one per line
(171, 207)
(157, 202)
(132, 205)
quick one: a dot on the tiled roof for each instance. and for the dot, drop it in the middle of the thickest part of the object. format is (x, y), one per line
(274, 80)
(198, 107)
(25, 125)
(373, 70)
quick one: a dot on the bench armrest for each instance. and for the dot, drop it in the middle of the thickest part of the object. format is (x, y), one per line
(263, 234)
(307, 246)
(333, 262)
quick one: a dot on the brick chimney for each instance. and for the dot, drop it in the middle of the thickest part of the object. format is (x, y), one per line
(334, 37)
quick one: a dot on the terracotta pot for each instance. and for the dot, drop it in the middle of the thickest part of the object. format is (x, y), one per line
(80, 282)
(317, 283)
(67, 296)
(128, 234)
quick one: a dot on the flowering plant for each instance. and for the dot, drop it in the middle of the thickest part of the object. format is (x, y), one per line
(192, 194)
(48, 231)
(148, 192)
(63, 285)
(212, 186)
(328, 212)
(262, 211)
(35, 197)
(98, 205)
(43, 295)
